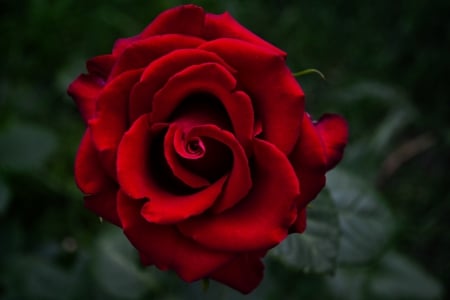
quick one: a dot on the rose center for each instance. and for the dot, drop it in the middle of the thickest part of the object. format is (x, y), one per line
(195, 146)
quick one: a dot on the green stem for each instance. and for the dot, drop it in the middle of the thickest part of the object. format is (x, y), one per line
(309, 71)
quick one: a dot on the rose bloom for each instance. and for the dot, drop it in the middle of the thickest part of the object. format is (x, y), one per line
(198, 146)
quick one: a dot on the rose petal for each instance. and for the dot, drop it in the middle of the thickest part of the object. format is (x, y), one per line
(300, 224)
(212, 79)
(239, 179)
(333, 130)
(122, 44)
(112, 119)
(193, 180)
(185, 19)
(225, 26)
(262, 219)
(308, 160)
(320, 147)
(104, 204)
(244, 273)
(85, 91)
(100, 191)
(277, 98)
(160, 70)
(101, 65)
(142, 52)
(137, 174)
(163, 246)
(90, 176)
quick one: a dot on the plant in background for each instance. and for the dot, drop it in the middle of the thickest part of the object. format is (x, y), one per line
(198, 146)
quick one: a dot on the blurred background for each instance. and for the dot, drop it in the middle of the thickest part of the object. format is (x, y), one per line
(387, 67)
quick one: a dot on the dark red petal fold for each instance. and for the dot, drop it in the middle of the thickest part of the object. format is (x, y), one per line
(111, 119)
(90, 176)
(333, 130)
(100, 191)
(142, 52)
(104, 204)
(277, 98)
(225, 26)
(101, 65)
(137, 177)
(212, 79)
(239, 180)
(171, 154)
(185, 19)
(163, 246)
(300, 224)
(158, 72)
(85, 91)
(243, 273)
(261, 220)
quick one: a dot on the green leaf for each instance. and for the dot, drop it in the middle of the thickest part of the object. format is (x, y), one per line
(115, 268)
(45, 280)
(316, 249)
(25, 147)
(365, 222)
(399, 278)
(4, 197)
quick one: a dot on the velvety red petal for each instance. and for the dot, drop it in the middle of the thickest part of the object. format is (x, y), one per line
(137, 177)
(262, 219)
(101, 65)
(309, 162)
(158, 72)
(319, 148)
(333, 130)
(100, 191)
(225, 26)
(163, 246)
(170, 153)
(239, 179)
(185, 19)
(212, 79)
(300, 224)
(90, 176)
(277, 98)
(142, 52)
(85, 91)
(104, 204)
(244, 273)
(122, 44)
(111, 119)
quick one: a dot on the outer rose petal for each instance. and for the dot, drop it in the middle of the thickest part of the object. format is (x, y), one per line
(158, 72)
(261, 220)
(101, 65)
(140, 53)
(225, 26)
(100, 191)
(316, 152)
(137, 178)
(185, 19)
(244, 273)
(85, 91)
(90, 176)
(166, 248)
(333, 130)
(104, 205)
(111, 120)
(277, 98)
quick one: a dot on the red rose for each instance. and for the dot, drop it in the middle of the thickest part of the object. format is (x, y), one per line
(198, 146)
